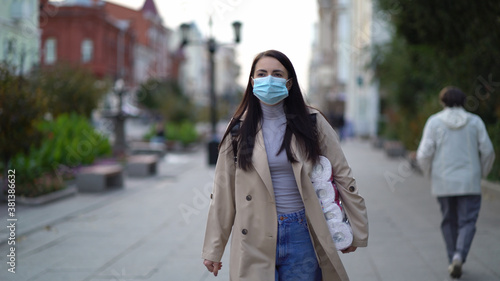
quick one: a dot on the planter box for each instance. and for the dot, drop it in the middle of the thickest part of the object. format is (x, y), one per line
(142, 165)
(49, 197)
(394, 149)
(378, 142)
(99, 178)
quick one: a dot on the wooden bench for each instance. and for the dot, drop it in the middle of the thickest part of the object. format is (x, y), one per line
(99, 178)
(142, 165)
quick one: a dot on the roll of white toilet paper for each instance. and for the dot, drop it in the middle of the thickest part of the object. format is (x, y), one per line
(341, 234)
(333, 212)
(325, 191)
(322, 171)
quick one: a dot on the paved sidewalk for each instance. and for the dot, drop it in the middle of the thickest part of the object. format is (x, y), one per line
(405, 240)
(153, 228)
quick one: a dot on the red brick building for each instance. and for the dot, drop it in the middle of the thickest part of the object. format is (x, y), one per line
(82, 32)
(152, 56)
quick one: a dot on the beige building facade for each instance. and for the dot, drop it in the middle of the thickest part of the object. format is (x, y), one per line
(342, 80)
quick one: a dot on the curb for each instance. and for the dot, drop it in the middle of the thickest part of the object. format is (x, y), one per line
(40, 200)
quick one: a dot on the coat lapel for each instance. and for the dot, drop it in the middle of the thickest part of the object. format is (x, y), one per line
(259, 160)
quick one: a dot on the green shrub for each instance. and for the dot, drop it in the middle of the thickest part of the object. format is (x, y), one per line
(21, 106)
(149, 134)
(71, 88)
(434, 45)
(68, 141)
(187, 133)
(71, 140)
(494, 132)
(184, 132)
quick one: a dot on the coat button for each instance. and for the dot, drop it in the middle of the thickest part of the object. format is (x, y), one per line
(249, 197)
(352, 188)
(244, 231)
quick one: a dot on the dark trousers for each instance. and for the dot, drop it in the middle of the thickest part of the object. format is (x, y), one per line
(458, 226)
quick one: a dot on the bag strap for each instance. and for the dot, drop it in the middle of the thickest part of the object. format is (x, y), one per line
(312, 116)
(235, 130)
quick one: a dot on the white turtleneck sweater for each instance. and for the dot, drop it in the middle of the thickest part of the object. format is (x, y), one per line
(286, 192)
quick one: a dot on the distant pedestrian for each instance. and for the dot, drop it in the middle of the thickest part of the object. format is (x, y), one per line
(264, 198)
(457, 152)
(159, 136)
(337, 121)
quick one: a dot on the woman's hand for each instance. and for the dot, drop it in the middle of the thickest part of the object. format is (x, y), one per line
(213, 266)
(349, 250)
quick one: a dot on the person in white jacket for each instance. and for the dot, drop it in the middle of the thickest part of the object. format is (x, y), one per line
(456, 152)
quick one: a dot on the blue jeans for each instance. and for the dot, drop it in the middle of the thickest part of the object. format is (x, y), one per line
(295, 255)
(458, 226)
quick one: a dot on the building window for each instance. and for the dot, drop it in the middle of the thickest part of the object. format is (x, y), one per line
(87, 50)
(50, 51)
(153, 36)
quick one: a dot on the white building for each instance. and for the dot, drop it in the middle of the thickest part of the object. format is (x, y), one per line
(324, 67)
(347, 33)
(226, 74)
(194, 72)
(20, 34)
(367, 28)
(152, 37)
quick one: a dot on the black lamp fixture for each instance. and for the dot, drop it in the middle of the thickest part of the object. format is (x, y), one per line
(237, 31)
(185, 28)
(185, 34)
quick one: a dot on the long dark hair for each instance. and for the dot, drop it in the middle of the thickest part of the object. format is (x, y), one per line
(299, 123)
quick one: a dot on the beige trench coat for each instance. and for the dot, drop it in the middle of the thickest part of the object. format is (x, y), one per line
(243, 203)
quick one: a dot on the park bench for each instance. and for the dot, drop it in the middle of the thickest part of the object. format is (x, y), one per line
(99, 178)
(142, 165)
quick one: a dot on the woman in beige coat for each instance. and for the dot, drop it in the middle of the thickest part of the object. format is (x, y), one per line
(264, 197)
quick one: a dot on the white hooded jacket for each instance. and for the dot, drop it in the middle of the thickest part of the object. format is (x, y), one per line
(456, 151)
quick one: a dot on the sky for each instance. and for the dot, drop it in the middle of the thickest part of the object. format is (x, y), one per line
(283, 25)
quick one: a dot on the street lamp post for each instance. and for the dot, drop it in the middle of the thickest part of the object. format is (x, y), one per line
(213, 143)
(119, 120)
(212, 45)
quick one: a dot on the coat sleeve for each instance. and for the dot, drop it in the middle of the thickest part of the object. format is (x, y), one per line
(353, 202)
(222, 206)
(486, 151)
(426, 148)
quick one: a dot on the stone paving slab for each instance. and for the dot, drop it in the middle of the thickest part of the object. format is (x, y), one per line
(153, 228)
(405, 240)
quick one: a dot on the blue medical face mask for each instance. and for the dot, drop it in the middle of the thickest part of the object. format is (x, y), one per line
(270, 90)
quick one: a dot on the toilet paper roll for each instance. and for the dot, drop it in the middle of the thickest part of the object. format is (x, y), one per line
(322, 171)
(341, 234)
(332, 212)
(325, 191)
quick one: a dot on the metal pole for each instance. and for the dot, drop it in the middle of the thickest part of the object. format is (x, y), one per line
(213, 98)
(120, 144)
(213, 144)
